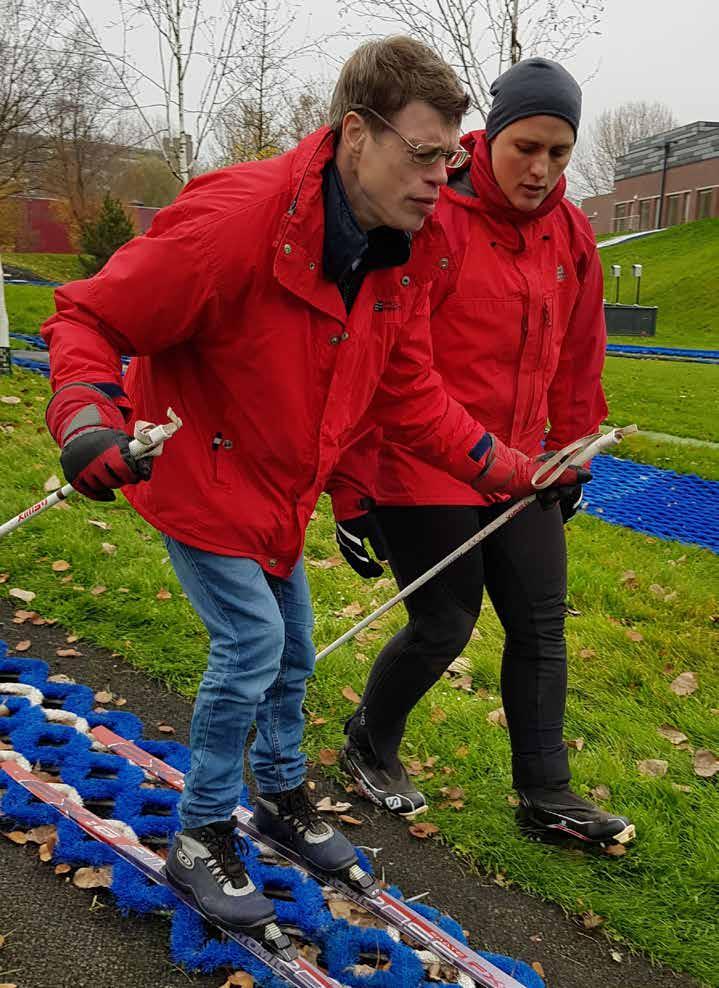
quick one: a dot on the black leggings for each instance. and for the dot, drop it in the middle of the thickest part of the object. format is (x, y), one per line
(524, 567)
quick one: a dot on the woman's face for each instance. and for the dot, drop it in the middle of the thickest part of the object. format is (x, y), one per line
(529, 157)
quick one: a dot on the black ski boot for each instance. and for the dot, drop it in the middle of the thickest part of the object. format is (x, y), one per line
(205, 863)
(291, 819)
(388, 788)
(558, 815)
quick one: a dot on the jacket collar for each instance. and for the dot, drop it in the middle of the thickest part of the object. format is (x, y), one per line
(490, 198)
(299, 244)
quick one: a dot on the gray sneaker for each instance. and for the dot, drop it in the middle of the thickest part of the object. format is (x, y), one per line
(205, 862)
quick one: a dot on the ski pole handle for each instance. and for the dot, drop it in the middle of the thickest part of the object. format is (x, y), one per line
(146, 443)
(575, 454)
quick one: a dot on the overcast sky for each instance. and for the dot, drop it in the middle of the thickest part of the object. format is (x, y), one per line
(647, 49)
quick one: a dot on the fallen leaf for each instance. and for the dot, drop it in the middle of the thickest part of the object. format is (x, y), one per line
(615, 850)
(93, 878)
(325, 805)
(461, 666)
(103, 696)
(165, 729)
(120, 701)
(600, 792)
(438, 715)
(62, 869)
(685, 683)
(616, 956)
(23, 646)
(591, 921)
(462, 751)
(10, 400)
(423, 830)
(318, 721)
(17, 836)
(681, 788)
(351, 610)
(20, 616)
(587, 653)
(634, 636)
(657, 589)
(61, 566)
(577, 743)
(4, 577)
(536, 966)
(352, 820)
(328, 756)
(108, 548)
(52, 484)
(96, 591)
(163, 594)
(672, 734)
(512, 799)
(71, 639)
(706, 763)
(414, 767)
(239, 978)
(383, 582)
(349, 694)
(325, 563)
(629, 579)
(25, 595)
(67, 653)
(497, 717)
(655, 767)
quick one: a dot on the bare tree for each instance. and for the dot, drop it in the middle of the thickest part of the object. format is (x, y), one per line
(609, 137)
(481, 38)
(190, 42)
(308, 110)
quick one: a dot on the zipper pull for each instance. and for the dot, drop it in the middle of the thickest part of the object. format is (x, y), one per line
(216, 442)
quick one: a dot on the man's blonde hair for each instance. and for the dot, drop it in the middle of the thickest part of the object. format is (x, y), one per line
(386, 75)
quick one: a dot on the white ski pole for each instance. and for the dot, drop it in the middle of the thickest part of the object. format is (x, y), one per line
(573, 455)
(147, 442)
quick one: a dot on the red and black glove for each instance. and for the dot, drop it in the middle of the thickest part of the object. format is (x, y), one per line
(505, 470)
(89, 428)
(351, 533)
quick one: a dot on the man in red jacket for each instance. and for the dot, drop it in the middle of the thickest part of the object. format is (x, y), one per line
(518, 337)
(279, 307)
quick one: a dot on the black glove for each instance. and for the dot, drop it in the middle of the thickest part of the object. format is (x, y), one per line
(570, 501)
(350, 537)
(97, 460)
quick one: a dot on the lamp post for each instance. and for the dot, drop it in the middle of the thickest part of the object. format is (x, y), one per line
(617, 273)
(637, 272)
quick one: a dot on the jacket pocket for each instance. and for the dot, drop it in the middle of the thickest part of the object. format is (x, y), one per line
(221, 456)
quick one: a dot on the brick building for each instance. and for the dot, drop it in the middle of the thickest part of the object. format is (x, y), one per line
(662, 180)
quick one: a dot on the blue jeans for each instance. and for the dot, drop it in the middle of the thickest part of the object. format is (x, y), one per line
(261, 654)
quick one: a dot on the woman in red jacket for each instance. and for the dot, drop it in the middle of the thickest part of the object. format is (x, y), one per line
(519, 338)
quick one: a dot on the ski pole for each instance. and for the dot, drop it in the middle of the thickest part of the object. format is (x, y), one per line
(575, 454)
(146, 443)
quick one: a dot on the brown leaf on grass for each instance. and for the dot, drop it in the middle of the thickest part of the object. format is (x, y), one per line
(634, 636)
(706, 763)
(576, 743)
(657, 589)
(462, 751)
(672, 734)
(327, 756)
(615, 850)
(325, 805)
(40, 621)
(423, 830)
(452, 792)
(460, 667)
(591, 921)
(536, 966)
(93, 878)
(61, 566)
(414, 767)
(587, 653)
(685, 684)
(4, 577)
(67, 653)
(351, 610)
(360, 657)
(24, 595)
(351, 820)
(349, 694)
(71, 639)
(108, 548)
(653, 767)
(461, 683)
(318, 721)
(512, 799)
(383, 582)
(165, 729)
(497, 717)
(163, 594)
(23, 646)
(96, 591)
(629, 579)
(325, 563)
(52, 484)
(239, 978)
(600, 792)
(103, 696)
(681, 788)
(10, 400)
(438, 715)
(105, 526)
(40, 835)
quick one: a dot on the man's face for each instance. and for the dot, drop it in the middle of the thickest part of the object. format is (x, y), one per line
(529, 157)
(385, 186)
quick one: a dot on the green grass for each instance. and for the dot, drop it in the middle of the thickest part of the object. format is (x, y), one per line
(680, 277)
(664, 396)
(28, 306)
(681, 457)
(661, 896)
(52, 267)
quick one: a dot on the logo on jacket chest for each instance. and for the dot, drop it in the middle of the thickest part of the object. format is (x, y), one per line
(561, 273)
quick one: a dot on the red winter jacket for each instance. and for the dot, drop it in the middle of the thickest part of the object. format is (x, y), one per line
(233, 324)
(517, 331)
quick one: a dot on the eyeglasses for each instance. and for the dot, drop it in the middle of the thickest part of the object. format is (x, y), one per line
(421, 154)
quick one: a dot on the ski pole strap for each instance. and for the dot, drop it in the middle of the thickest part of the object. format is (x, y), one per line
(576, 454)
